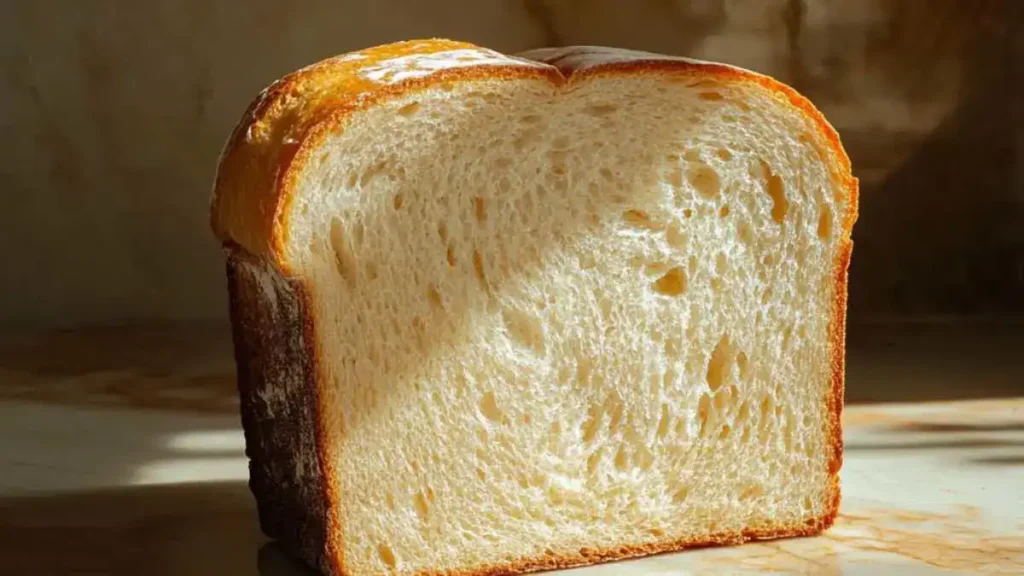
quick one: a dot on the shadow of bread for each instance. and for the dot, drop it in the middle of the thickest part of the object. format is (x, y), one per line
(197, 529)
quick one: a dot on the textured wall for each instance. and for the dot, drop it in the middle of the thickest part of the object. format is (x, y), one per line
(113, 112)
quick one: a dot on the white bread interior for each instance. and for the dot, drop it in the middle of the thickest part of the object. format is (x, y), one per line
(554, 318)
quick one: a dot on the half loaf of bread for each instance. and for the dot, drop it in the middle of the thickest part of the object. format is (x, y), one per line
(495, 314)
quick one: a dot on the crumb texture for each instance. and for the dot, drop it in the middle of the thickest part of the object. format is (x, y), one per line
(553, 320)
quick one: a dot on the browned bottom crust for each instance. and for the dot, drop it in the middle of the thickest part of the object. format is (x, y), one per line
(590, 556)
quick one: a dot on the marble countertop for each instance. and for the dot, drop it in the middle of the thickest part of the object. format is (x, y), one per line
(121, 453)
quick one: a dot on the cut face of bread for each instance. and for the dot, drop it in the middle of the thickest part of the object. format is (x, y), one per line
(550, 319)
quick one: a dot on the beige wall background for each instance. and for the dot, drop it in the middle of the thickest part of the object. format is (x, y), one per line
(113, 113)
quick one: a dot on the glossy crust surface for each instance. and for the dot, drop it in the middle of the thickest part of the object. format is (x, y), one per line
(291, 475)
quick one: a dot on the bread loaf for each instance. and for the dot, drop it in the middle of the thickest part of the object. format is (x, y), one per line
(495, 314)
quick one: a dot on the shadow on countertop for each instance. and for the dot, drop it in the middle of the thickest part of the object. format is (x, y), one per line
(195, 529)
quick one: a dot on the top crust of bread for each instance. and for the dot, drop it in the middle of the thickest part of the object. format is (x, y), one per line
(258, 175)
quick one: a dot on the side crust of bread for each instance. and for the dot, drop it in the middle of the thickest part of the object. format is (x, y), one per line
(275, 342)
(289, 474)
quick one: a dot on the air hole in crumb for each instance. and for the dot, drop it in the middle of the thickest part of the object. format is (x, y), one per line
(409, 109)
(688, 213)
(675, 238)
(614, 407)
(451, 255)
(721, 262)
(725, 432)
(670, 376)
(442, 231)
(600, 109)
(591, 424)
(434, 297)
(679, 496)
(621, 459)
(704, 179)
(524, 329)
(478, 269)
(358, 234)
(710, 96)
(663, 422)
(420, 504)
(724, 399)
(766, 409)
(639, 219)
(680, 427)
(752, 491)
(344, 260)
(776, 190)
(703, 411)
(398, 201)
(606, 174)
(593, 461)
(480, 209)
(558, 162)
(387, 556)
(724, 154)
(742, 364)
(531, 119)
(673, 283)
(481, 474)
(656, 532)
(745, 233)
(372, 172)
(824, 222)
(718, 364)
(489, 407)
(724, 211)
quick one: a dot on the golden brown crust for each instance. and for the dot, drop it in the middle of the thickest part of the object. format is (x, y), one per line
(255, 183)
(256, 175)
(589, 556)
